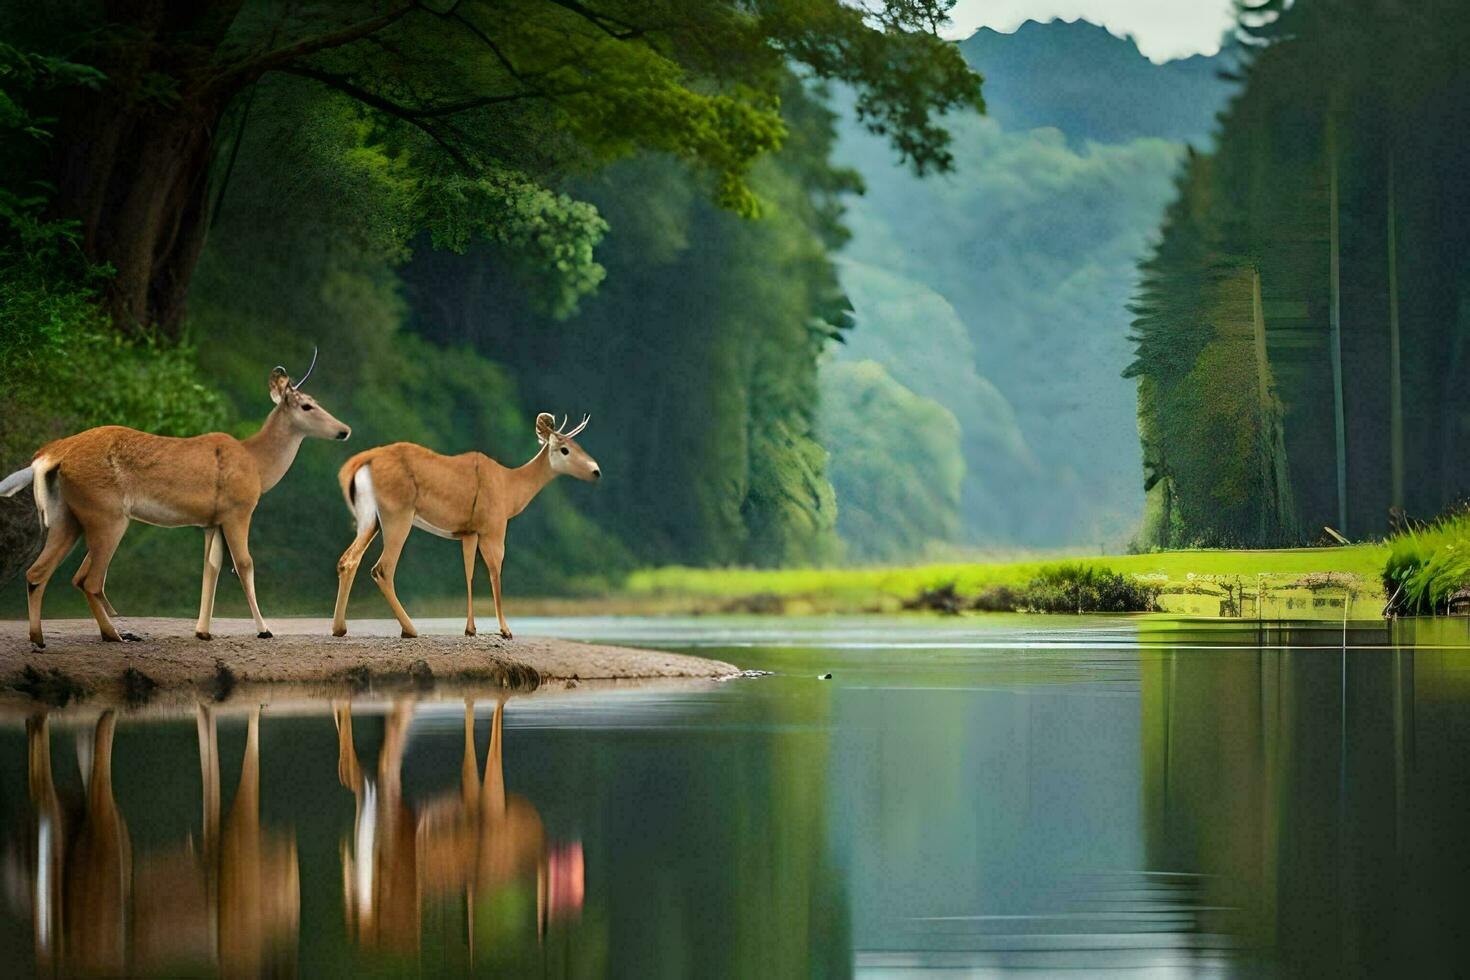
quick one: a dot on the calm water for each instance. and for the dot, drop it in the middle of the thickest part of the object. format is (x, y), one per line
(982, 796)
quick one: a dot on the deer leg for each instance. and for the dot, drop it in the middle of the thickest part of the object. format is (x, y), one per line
(492, 549)
(469, 542)
(102, 541)
(81, 575)
(347, 571)
(60, 539)
(237, 536)
(214, 557)
(395, 533)
(76, 580)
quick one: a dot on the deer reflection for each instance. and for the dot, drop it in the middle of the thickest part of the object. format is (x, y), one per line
(83, 861)
(471, 843)
(232, 903)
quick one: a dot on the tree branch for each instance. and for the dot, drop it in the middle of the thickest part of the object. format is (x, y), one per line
(601, 21)
(347, 87)
(250, 69)
(383, 105)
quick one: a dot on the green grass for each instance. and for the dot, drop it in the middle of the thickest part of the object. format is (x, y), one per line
(1207, 573)
(1170, 568)
(1424, 568)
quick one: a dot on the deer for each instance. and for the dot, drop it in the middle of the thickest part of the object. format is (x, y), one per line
(94, 483)
(469, 497)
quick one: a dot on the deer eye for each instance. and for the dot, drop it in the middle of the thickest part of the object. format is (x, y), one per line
(306, 408)
(565, 451)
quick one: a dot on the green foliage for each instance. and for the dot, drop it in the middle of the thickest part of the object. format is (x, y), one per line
(62, 367)
(1062, 588)
(1078, 588)
(896, 463)
(550, 235)
(426, 194)
(857, 589)
(1428, 566)
(697, 358)
(387, 382)
(486, 105)
(1336, 154)
(1003, 287)
(25, 77)
(891, 311)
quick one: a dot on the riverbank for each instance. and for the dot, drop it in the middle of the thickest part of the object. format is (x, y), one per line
(1286, 583)
(302, 658)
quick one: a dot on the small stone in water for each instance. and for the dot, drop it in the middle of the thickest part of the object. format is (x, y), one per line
(824, 677)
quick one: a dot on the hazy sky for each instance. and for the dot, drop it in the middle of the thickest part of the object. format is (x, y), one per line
(1164, 29)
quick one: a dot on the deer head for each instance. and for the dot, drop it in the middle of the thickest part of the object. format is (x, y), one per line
(562, 450)
(301, 411)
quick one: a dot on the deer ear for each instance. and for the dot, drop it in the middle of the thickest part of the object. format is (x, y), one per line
(279, 383)
(545, 426)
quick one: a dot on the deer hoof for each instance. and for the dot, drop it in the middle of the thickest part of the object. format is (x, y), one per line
(198, 635)
(469, 631)
(339, 631)
(505, 633)
(264, 635)
(111, 638)
(38, 643)
(408, 635)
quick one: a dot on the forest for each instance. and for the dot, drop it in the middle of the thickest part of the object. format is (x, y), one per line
(1301, 326)
(476, 211)
(999, 291)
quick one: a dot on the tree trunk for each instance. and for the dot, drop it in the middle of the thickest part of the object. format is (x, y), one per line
(1339, 419)
(1395, 370)
(1278, 508)
(133, 159)
(141, 194)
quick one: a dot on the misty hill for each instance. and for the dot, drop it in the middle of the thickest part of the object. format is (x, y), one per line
(999, 292)
(1079, 78)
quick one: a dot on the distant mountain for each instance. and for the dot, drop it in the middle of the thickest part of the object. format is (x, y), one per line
(999, 292)
(1081, 79)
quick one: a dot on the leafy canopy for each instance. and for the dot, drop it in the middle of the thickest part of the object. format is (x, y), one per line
(491, 103)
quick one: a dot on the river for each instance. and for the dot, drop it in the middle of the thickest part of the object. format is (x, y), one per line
(973, 796)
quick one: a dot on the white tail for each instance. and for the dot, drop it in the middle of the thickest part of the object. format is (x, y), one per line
(33, 476)
(15, 482)
(47, 496)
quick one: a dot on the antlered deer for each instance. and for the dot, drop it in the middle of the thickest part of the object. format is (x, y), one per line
(469, 497)
(95, 482)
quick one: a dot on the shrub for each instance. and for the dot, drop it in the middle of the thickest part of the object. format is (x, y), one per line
(942, 598)
(1072, 588)
(1427, 566)
(998, 598)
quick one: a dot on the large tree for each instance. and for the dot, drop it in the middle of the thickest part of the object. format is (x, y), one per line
(489, 103)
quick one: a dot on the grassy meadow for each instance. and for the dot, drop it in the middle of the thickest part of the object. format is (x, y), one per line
(1286, 583)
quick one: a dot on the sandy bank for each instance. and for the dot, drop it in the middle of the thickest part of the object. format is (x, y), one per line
(170, 665)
